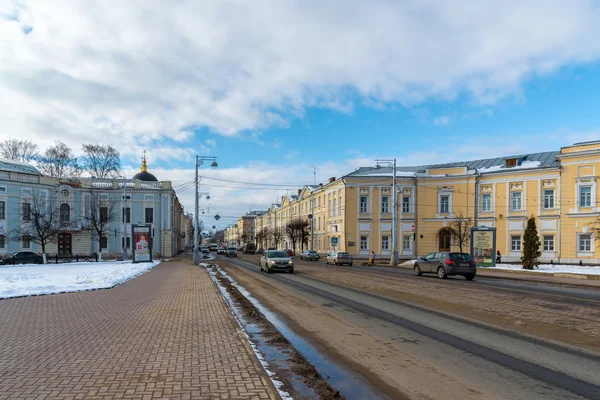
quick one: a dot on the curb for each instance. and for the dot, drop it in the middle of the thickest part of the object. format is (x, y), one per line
(540, 274)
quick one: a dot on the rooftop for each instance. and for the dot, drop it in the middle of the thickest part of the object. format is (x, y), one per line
(17, 166)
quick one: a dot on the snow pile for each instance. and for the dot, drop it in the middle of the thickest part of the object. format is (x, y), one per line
(35, 279)
(408, 263)
(524, 165)
(552, 269)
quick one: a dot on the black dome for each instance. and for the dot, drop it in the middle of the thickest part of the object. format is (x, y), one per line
(145, 176)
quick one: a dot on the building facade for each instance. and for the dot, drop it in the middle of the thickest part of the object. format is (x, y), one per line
(141, 200)
(559, 189)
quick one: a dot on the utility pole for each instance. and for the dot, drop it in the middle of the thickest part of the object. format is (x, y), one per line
(315, 175)
(394, 256)
(123, 222)
(312, 221)
(199, 161)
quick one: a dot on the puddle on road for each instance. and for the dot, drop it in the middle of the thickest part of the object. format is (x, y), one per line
(306, 373)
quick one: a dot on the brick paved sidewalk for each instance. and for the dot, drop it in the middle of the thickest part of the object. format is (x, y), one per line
(165, 334)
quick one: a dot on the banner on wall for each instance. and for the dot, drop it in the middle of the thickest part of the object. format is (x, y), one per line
(142, 243)
(483, 246)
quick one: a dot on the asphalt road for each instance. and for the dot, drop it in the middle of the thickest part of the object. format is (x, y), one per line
(495, 362)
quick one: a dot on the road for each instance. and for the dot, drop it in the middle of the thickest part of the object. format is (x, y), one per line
(425, 338)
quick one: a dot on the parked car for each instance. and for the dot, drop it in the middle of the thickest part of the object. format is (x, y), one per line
(213, 247)
(221, 250)
(339, 258)
(309, 255)
(276, 260)
(240, 248)
(22, 257)
(204, 250)
(446, 263)
(290, 252)
(231, 252)
(249, 248)
(259, 251)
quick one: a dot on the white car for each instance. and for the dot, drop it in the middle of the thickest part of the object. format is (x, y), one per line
(276, 260)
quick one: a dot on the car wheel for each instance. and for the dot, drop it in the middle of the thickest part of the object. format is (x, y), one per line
(418, 271)
(442, 273)
(291, 271)
(350, 264)
(469, 277)
(327, 262)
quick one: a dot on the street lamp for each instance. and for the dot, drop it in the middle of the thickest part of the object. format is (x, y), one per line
(213, 164)
(394, 256)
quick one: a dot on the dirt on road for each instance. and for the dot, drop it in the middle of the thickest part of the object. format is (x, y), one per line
(387, 364)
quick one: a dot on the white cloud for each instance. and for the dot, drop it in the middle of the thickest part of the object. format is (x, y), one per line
(129, 72)
(441, 121)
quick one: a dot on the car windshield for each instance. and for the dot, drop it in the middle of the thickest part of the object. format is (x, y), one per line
(311, 251)
(277, 254)
(460, 257)
(343, 254)
(231, 248)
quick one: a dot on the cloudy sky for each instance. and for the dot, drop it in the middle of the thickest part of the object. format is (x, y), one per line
(273, 88)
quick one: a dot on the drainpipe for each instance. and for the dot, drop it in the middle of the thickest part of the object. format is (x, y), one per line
(416, 221)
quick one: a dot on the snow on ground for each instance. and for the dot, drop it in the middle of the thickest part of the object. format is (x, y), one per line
(553, 268)
(35, 279)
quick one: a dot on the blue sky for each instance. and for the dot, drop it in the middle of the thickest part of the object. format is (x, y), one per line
(274, 88)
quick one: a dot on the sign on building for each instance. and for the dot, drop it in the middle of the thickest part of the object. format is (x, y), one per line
(142, 243)
(483, 246)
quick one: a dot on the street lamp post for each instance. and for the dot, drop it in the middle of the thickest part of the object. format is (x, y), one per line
(124, 222)
(199, 161)
(394, 256)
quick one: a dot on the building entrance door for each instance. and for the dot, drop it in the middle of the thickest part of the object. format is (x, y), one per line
(444, 240)
(64, 244)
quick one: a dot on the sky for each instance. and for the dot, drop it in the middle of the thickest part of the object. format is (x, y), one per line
(275, 88)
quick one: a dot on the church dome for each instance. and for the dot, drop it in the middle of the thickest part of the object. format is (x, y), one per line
(144, 175)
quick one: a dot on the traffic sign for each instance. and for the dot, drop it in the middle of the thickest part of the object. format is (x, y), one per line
(413, 228)
(310, 216)
(217, 217)
(334, 240)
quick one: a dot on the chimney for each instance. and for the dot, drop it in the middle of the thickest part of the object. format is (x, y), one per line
(299, 190)
(332, 179)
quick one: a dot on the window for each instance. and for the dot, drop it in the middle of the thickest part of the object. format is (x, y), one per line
(103, 214)
(103, 243)
(385, 243)
(585, 196)
(26, 211)
(548, 242)
(329, 207)
(585, 242)
(486, 203)
(340, 206)
(128, 241)
(149, 215)
(126, 215)
(406, 204)
(65, 212)
(2, 241)
(26, 242)
(549, 198)
(333, 212)
(385, 204)
(406, 243)
(364, 245)
(515, 243)
(515, 201)
(2, 210)
(511, 162)
(444, 204)
(319, 224)
(364, 204)
(319, 198)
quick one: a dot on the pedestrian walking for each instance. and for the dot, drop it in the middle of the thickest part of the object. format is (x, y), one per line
(372, 258)
(498, 257)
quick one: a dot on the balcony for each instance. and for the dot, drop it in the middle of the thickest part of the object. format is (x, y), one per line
(70, 225)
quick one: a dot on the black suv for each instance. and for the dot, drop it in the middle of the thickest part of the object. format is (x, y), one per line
(446, 263)
(22, 257)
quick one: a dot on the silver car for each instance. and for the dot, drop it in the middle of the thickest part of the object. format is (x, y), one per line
(276, 260)
(339, 258)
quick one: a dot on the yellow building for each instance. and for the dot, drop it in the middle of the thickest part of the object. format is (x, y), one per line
(558, 188)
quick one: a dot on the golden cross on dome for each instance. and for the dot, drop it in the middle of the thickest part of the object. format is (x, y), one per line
(144, 166)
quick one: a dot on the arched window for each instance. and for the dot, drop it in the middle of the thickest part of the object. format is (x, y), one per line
(65, 212)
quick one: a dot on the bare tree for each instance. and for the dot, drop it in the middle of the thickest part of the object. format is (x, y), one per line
(278, 235)
(260, 237)
(98, 215)
(19, 150)
(460, 229)
(39, 221)
(268, 236)
(101, 161)
(58, 161)
(244, 238)
(297, 230)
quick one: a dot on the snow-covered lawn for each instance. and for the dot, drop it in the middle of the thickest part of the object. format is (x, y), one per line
(553, 268)
(34, 279)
